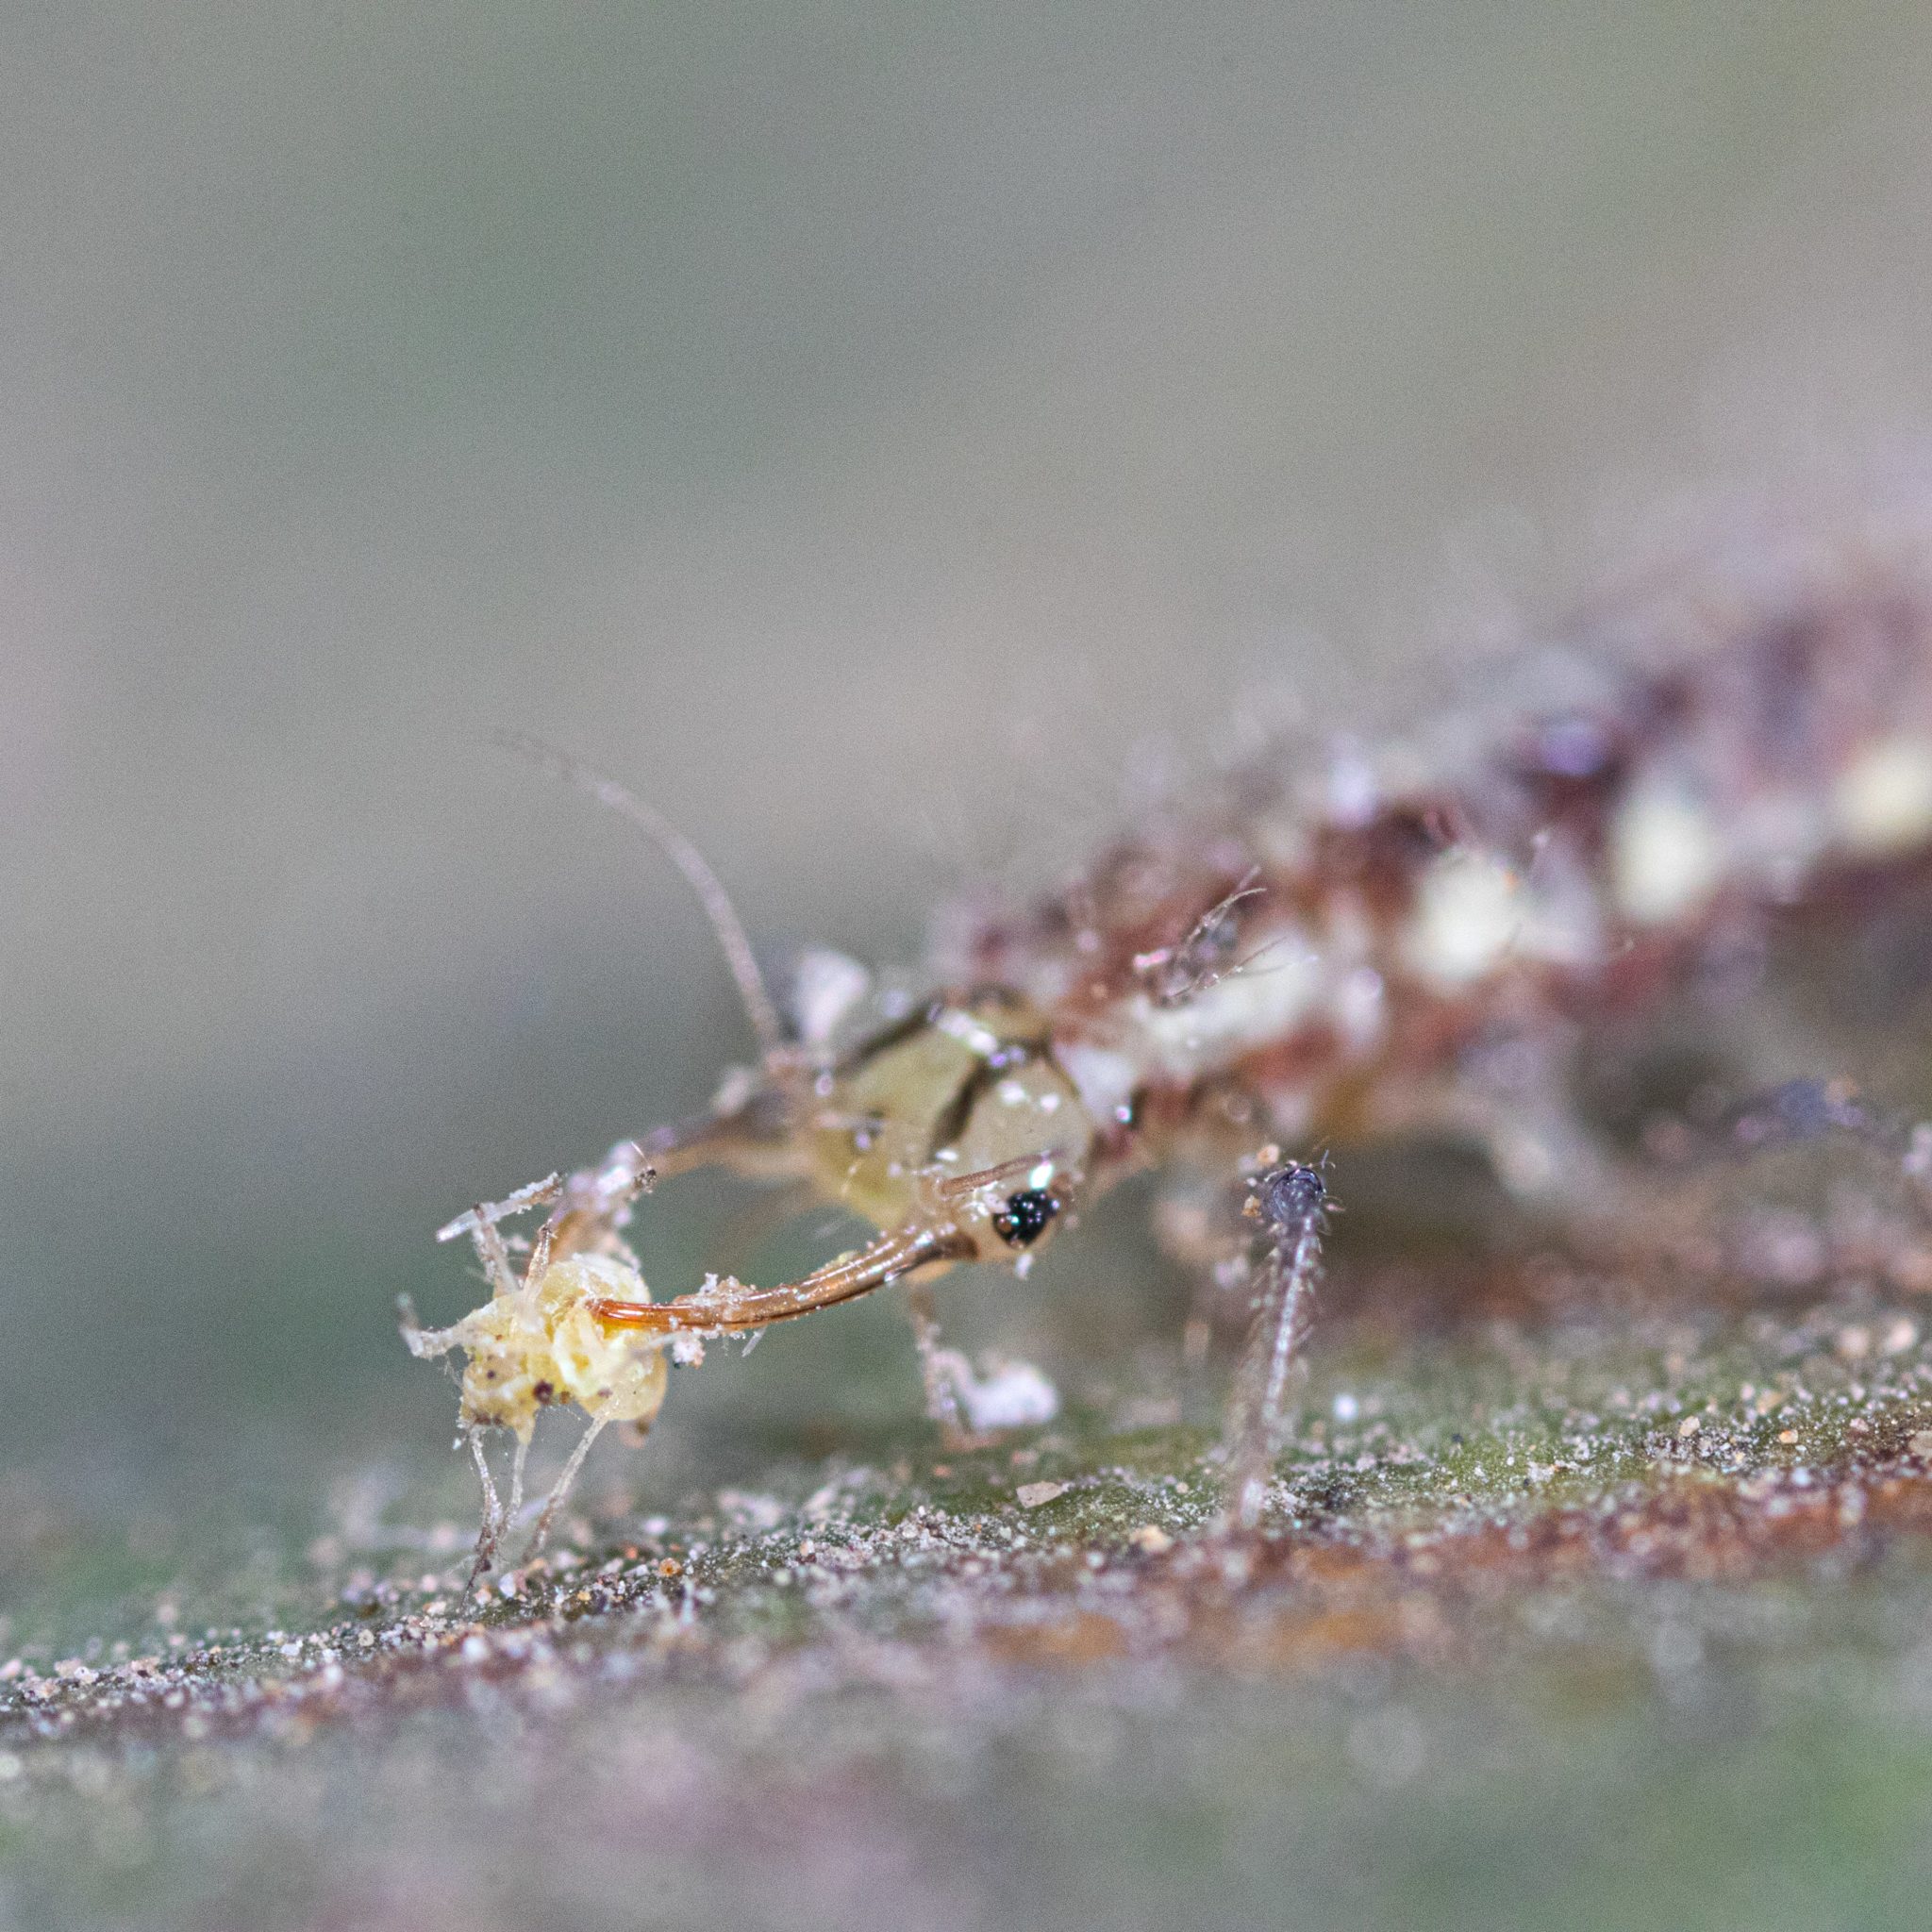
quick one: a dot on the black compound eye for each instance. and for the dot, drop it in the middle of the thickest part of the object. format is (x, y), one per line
(1026, 1216)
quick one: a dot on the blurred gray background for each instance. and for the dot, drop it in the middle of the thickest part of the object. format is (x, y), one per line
(867, 429)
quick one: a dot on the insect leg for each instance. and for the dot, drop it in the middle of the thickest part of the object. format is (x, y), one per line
(1291, 1202)
(481, 1222)
(750, 1137)
(513, 1509)
(489, 1534)
(562, 1488)
(941, 1397)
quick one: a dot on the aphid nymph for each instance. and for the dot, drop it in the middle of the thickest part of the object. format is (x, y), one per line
(536, 1344)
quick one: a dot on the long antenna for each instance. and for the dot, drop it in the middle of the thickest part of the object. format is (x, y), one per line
(732, 937)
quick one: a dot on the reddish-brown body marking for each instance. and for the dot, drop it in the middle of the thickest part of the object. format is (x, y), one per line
(1666, 781)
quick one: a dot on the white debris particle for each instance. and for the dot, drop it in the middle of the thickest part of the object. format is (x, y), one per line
(1032, 1495)
(1011, 1395)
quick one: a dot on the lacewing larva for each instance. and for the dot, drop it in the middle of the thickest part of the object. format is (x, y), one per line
(1414, 939)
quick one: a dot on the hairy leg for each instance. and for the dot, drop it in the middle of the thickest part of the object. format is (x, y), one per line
(1291, 1202)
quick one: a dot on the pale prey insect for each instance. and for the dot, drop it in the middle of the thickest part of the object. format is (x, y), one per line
(1416, 940)
(536, 1342)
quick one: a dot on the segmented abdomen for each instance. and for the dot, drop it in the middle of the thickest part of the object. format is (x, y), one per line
(1564, 844)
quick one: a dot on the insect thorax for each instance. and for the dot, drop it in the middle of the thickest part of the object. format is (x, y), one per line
(967, 1087)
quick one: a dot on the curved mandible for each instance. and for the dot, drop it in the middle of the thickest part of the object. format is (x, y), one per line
(730, 1308)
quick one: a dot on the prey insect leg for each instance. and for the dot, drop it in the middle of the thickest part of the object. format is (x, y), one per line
(1291, 1202)
(514, 1508)
(562, 1488)
(489, 1534)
